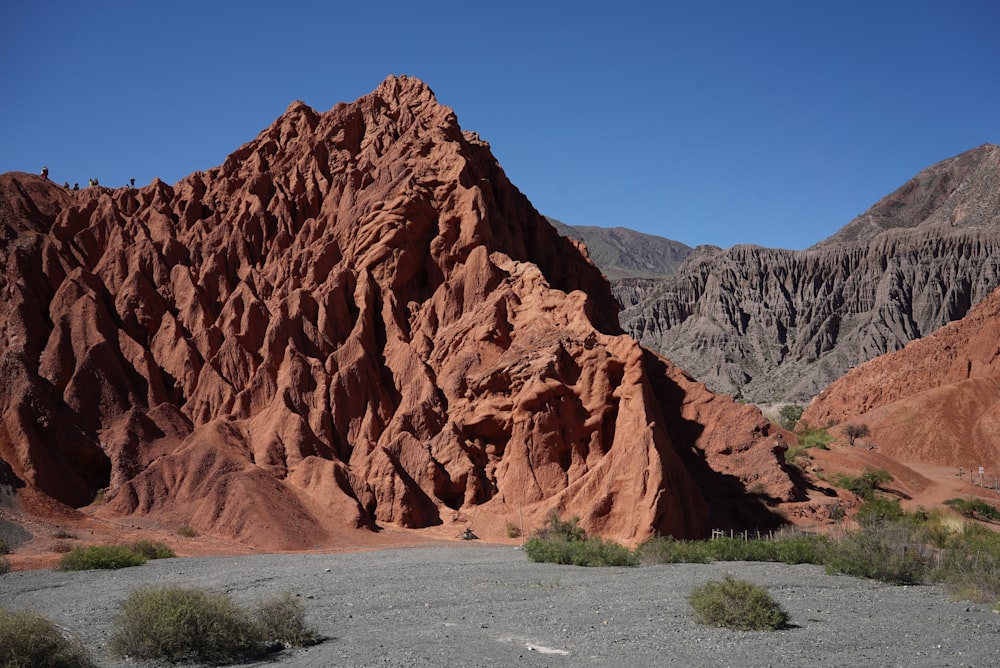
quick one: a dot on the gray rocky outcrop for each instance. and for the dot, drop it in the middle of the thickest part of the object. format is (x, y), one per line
(771, 325)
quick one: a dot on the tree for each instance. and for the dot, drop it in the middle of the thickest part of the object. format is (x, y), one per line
(855, 431)
(789, 416)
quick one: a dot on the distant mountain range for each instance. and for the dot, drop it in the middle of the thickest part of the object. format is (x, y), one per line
(771, 325)
(623, 253)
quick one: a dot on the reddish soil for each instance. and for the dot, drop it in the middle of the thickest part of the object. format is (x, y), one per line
(916, 484)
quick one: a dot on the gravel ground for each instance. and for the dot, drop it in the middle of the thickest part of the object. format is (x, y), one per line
(474, 605)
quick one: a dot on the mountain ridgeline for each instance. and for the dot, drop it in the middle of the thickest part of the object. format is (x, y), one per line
(774, 325)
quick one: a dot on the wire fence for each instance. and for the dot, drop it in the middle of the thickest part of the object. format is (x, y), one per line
(980, 479)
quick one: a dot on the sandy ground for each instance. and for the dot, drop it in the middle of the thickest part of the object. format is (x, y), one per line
(425, 598)
(479, 605)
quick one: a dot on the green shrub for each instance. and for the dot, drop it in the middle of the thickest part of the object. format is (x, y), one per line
(865, 484)
(737, 549)
(513, 531)
(736, 604)
(669, 550)
(183, 624)
(100, 556)
(800, 549)
(969, 567)
(877, 511)
(565, 542)
(815, 438)
(176, 623)
(974, 509)
(789, 415)
(855, 431)
(187, 531)
(152, 549)
(30, 641)
(793, 453)
(559, 529)
(795, 549)
(893, 551)
(4, 565)
(283, 620)
(586, 552)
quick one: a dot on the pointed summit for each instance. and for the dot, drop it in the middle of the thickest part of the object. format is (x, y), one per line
(404, 87)
(355, 321)
(960, 192)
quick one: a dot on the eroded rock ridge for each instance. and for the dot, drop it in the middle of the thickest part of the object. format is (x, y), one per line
(772, 325)
(356, 320)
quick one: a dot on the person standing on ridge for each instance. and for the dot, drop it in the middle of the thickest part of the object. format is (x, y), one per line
(45, 173)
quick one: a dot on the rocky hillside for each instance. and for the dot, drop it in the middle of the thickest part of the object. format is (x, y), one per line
(355, 321)
(623, 253)
(960, 192)
(771, 325)
(936, 401)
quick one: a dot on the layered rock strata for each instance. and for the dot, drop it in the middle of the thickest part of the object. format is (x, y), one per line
(355, 321)
(775, 325)
(936, 401)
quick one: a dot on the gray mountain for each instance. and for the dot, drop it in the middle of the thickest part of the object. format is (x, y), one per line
(623, 253)
(771, 325)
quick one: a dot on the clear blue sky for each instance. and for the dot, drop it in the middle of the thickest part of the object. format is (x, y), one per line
(772, 123)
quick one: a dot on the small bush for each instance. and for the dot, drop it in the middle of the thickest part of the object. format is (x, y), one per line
(736, 604)
(63, 533)
(283, 620)
(943, 529)
(4, 548)
(865, 484)
(793, 453)
(187, 531)
(4, 565)
(737, 549)
(815, 438)
(152, 549)
(855, 431)
(835, 511)
(970, 566)
(893, 551)
(559, 529)
(669, 550)
(513, 531)
(794, 549)
(876, 511)
(30, 641)
(565, 542)
(974, 509)
(587, 552)
(100, 556)
(175, 624)
(182, 624)
(801, 549)
(789, 415)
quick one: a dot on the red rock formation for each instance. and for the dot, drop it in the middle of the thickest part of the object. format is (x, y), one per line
(355, 320)
(935, 401)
